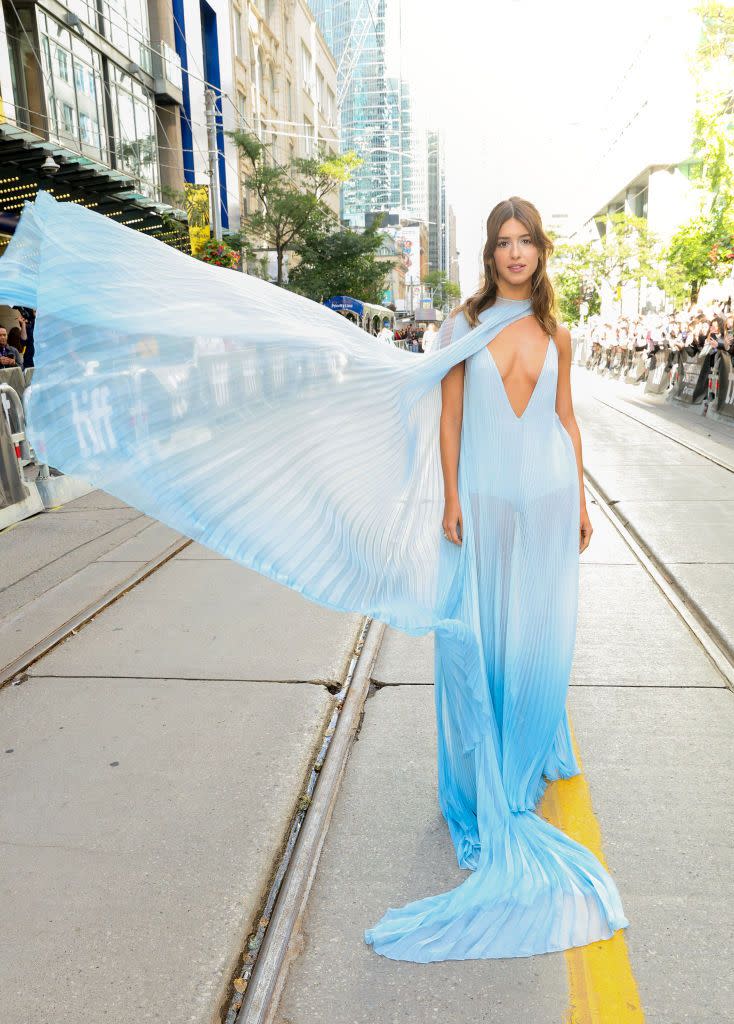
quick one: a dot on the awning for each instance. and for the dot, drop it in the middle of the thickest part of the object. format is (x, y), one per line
(345, 302)
(78, 180)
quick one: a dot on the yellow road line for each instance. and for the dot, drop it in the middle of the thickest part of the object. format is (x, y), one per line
(601, 984)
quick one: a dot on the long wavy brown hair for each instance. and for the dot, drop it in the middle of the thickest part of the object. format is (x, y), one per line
(542, 295)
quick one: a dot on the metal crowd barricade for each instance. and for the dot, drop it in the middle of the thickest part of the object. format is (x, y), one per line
(27, 486)
(637, 368)
(704, 381)
(692, 377)
(720, 386)
(658, 378)
(15, 377)
(19, 495)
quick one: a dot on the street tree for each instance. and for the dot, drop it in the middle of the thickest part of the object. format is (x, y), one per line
(339, 261)
(445, 293)
(291, 201)
(702, 249)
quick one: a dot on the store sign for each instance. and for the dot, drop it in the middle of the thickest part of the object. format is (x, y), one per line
(343, 303)
(408, 243)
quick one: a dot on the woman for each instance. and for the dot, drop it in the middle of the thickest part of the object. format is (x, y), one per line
(514, 504)
(326, 463)
(430, 337)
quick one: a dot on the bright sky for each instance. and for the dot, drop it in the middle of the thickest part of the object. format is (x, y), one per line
(525, 93)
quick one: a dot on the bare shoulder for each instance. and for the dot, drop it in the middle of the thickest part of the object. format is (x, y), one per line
(562, 339)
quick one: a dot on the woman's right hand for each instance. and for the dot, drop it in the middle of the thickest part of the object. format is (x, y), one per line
(453, 524)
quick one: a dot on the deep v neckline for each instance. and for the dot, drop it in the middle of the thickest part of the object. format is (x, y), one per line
(535, 386)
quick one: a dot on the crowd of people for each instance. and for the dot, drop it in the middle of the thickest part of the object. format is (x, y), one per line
(609, 343)
(411, 337)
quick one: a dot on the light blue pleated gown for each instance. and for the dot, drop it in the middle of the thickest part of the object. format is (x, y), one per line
(533, 889)
(275, 432)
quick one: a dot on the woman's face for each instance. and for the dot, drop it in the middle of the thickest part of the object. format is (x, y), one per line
(516, 257)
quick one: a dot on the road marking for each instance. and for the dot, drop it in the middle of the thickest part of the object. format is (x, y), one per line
(601, 984)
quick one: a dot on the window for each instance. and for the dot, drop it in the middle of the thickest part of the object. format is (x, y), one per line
(306, 64)
(66, 116)
(289, 99)
(126, 26)
(72, 73)
(258, 71)
(320, 85)
(133, 112)
(241, 109)
(330, 105)
(86, 11)
(86, 129)
(273, 86)
(237, 29)
(62, 64)
(308, 140)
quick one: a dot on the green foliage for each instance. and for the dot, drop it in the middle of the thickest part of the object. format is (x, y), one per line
(701, 249)
(570, 293)
(692, 255)
(627, 252)
(340, 262)
(290, 200)
(174, 196)
(445, 293)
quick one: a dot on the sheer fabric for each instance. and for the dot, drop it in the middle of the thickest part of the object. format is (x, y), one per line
(272, 430)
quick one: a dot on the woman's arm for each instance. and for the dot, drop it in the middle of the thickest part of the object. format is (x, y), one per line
(452, 410)
(564, 409)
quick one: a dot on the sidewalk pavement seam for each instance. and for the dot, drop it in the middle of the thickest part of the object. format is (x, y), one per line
(327, 684)
(71, 551)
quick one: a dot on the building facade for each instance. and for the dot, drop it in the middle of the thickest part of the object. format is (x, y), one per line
(114, 92)
(285, 88)
(642, 166)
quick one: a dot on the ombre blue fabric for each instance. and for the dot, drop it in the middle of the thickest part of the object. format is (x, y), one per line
(273, 431)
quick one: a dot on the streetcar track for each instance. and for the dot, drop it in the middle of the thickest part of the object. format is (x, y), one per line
(683, 442)
(714, 643)
(257, 988)
(301, 846)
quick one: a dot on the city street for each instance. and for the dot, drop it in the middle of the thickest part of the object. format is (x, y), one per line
(154, 760)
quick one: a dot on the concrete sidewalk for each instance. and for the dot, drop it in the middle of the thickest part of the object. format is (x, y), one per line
(151, 766)
(682, 505)
(654, 722)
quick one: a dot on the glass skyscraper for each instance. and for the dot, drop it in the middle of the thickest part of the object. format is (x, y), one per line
(376, 114)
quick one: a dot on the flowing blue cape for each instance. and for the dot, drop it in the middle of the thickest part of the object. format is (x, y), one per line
(260, 423)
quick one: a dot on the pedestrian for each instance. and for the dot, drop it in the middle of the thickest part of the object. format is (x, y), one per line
(9, 355)
(28, 325)
(429, 337)
(385, 334)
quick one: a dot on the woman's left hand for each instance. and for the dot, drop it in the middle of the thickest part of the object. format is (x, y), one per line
(585, 530)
